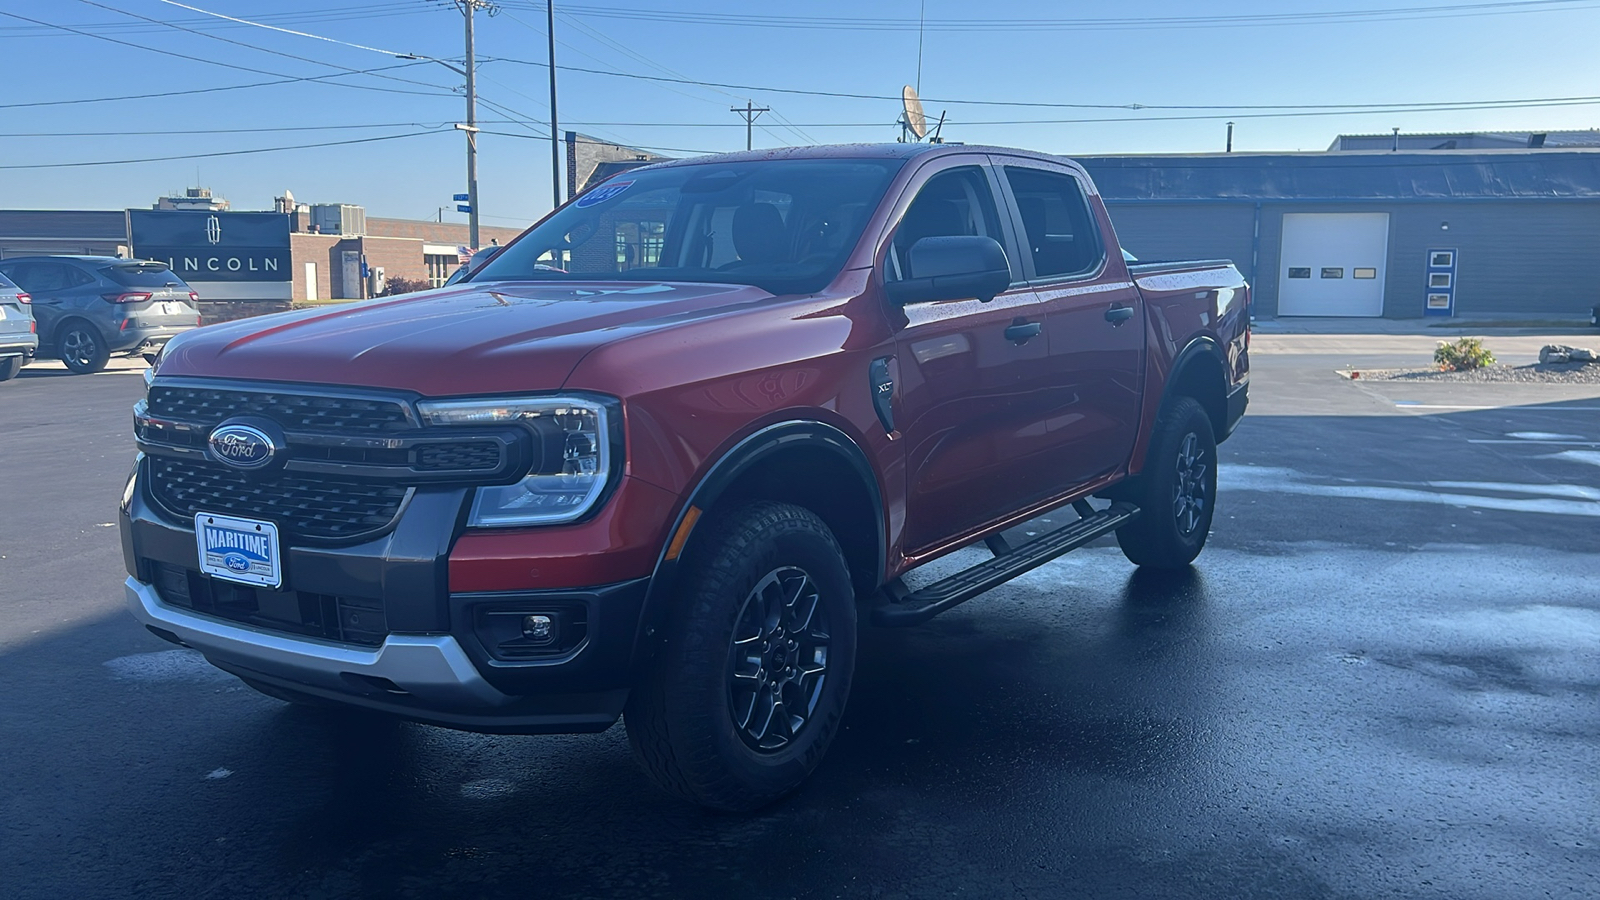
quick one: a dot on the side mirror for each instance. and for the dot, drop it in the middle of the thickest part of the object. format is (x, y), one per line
(953, 268)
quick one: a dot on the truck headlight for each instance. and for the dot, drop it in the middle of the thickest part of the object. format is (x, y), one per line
(572, 458)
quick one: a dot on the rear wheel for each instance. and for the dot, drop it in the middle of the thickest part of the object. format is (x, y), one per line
(1177, 491)
(10, 366)
(748, 689)
(82, 348)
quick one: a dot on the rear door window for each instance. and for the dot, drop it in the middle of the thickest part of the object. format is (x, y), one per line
(1058, 230)
(39, 278)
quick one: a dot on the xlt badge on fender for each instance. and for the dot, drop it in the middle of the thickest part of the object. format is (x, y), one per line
(881, 377)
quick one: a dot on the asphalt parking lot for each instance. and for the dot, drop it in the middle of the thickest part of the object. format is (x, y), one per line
(1382, 678)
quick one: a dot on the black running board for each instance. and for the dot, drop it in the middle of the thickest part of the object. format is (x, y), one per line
(920, 606)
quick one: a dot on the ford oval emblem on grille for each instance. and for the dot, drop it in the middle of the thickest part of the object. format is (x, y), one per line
(244, 446)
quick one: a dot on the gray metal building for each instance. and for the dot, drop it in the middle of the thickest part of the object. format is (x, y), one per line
(1477, 234)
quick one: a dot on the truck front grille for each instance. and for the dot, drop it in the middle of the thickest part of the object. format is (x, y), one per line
(294, 411)
(302, 504)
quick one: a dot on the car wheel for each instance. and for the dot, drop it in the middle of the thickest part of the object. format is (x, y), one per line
(82, 348)
(750, 683)
(1177, 491)
(10, 366)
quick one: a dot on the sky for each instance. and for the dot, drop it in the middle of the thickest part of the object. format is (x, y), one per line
(386, 140)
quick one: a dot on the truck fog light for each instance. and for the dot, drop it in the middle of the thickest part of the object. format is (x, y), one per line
(537, 628)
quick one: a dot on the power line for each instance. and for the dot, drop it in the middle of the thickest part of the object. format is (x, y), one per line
(326, 14)
(206, 90)
(1399, 107)
(248, 46)
(211, 62)
(120, 162)
(839, 23)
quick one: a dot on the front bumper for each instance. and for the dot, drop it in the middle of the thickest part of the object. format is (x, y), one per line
(428, 655)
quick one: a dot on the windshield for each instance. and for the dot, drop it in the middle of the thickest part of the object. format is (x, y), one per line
(144, 274)
(785, 226)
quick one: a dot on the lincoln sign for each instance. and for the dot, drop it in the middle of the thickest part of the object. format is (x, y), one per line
(222, 255)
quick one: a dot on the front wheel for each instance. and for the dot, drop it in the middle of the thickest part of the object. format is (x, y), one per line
(749, 686)
(82, 348)
(1177, 491)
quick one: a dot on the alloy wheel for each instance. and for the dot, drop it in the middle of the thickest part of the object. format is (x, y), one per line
(78, 346)
(778, 660)
(1189, 491)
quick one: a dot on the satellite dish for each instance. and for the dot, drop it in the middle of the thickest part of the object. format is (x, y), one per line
(916, 121)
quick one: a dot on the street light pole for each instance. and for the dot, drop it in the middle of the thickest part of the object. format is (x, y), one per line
(555, 133)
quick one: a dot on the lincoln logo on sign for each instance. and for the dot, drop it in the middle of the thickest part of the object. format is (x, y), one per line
(214, 229)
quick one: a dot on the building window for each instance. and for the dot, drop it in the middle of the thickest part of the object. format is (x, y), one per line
(1332, 271)
(639, 244)
(439, 268)
(1304, 272)
(1442, 259)
(1438, 301)
(1439, 280)
(1365, 273)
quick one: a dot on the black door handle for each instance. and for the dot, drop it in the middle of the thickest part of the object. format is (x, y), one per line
(1116, 315)
(1020, 332)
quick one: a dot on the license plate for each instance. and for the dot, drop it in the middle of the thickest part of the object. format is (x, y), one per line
(242, 550)
(2, 313)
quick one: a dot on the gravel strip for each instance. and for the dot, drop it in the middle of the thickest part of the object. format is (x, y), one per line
(1555, 373)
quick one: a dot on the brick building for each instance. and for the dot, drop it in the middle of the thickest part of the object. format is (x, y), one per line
(322, 266)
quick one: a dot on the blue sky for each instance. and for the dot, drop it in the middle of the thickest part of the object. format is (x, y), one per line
(843, 47)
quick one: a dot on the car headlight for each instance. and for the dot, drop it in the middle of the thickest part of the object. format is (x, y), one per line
(572, 459)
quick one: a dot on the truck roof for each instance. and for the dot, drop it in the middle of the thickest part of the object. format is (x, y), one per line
(844, 151)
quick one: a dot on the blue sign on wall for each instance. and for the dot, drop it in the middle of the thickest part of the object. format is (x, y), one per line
(1441, 283)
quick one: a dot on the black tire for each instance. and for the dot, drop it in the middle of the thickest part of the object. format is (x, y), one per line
(1177, 491)
(703, 723)
(10, 366)
(82, 347)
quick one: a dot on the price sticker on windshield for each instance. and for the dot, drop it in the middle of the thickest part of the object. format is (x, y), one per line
(602, 193)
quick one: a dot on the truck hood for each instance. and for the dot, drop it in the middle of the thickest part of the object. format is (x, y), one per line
(491, 338)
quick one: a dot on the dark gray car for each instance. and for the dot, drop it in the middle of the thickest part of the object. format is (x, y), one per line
(17, 338)
(91, 307)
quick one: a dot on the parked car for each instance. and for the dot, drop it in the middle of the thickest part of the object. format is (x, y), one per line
(18, 337)
(692, 431)
(92, 307)
(474, 262)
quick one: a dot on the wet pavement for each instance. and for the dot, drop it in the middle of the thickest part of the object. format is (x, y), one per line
(1382, 678)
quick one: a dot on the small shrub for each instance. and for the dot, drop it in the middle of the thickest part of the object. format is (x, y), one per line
(403, 286)
(1464, 355)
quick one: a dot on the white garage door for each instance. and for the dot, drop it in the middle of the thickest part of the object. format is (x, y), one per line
(1333, 264)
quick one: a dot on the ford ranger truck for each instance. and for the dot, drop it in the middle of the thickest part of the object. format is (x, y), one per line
(665, 454)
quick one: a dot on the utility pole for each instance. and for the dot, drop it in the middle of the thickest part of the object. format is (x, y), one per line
(467, 9)
(555, 133)
(750, 113)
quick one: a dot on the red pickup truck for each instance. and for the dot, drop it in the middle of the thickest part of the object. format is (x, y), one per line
(666, 452)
